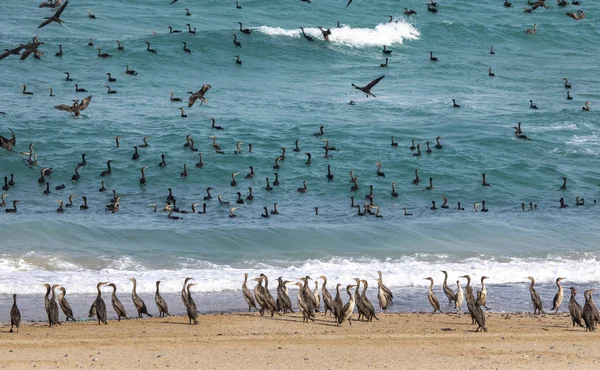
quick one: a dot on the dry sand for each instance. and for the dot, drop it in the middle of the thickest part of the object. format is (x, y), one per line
(247, 341)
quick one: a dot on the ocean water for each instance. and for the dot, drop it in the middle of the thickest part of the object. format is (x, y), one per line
(285, 89)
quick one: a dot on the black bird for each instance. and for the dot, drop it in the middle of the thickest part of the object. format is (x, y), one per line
(193, 32)
(78, 89)
(454, 104)
(306, 36)
(386, 50)
(68, 78)
(490, 73)
(60, 52)
(431, 57)
(492, 52)
(135, 156)
(244, 30)
(110, 78)
(507, 4)
(367, 89)
(187, 12)
(185, 48)
(56, 16)
(431, 9)
(103, 55)
(384, 64)
(531, 105)
(237, 5)
(236, 42)
(130, 71)
(238, 61)
(148, 48)
(110, 91)
(171, 30)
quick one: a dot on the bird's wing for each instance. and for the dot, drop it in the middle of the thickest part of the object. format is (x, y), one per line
(64, 107)
(349, 2)
(26, 54)
(85, 102)
(61, 9)
(374, 82)
(5, 54)
(45, 23)
(204, 88)
(192, 100)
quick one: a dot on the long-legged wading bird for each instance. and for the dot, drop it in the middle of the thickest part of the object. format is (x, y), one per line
(447, 291)
(558, 298)
(15, 315)
(479, 314)
(384, 295)
(99, 305)
(535, 297)
(348, 309)
(575, 309)
(137, 301)
(433, 301)
(307, 312)
(191, 308)
(161, 304)
(64, 304)
(327, 298)
(459, 297)
(247, 295)
(116, 303)
(588, 312)
(367, 89)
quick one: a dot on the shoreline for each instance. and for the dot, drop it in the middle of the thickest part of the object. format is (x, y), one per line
(246, 340)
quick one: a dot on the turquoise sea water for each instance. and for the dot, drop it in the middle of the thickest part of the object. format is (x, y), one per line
(285, 89)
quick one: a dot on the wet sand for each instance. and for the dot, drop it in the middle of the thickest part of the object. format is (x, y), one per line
(247, 341)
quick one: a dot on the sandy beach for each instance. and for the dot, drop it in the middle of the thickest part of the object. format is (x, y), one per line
(247, 341)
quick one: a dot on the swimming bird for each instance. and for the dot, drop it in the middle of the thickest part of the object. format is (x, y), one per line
(309, 38)
(236, 42)
(483, 182)
(153, 51)
(431, 57)
(91, 43)
(492, 52)
(569, 97)
(199, 95)
(534, 30)
(15, 315)
(185, 48)
(459, 297)
(130, 71)
(433, 301)
(110, 78)
(25, 92)
(567, 85)
(348, 309)
(190, 30)
(108, 171)
(447, 291)
(564, 185)
(231, 214)
(187, 12)
(14, 208)
(244, 30)
(60, 51)
(137, 301)
(454, 104)
(575, 309)
(586, 108)
(367, 89)
(386, 51)
(535, 298)
(68, 78)
(394, 193)
(84, 206)
(237, 60)
(110, 91)
(99, 306)
(558, 298)
(103, 55)
(303, 189)
(379, 172)
(431, 9)
(430, 187)
(490, 73)
(507, 4)
(531, 105)
(182, 115)
(409, 12)
(79, 89)
(56, 16)
(119, 46)
(171, 30)
(237, 5)
(174, 99)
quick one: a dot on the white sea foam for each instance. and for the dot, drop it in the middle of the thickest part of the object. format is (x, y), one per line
(383, 34)
(18, 276)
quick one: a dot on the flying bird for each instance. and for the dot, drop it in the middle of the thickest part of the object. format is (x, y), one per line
(77, 107)
(367, 89)
(199, 95)
(55, 17)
